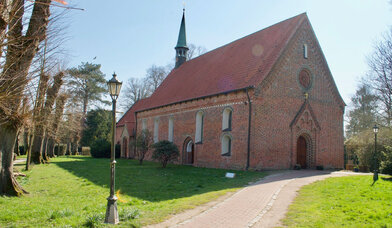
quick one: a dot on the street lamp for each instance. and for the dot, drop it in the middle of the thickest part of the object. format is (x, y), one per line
(375, 175)
(111, 209)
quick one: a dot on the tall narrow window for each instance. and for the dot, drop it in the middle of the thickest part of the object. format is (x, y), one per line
(226, 145)
(226, 119)
(171, 127)
(199, 127)
(156, 130)
(305, 51)
(144, 124)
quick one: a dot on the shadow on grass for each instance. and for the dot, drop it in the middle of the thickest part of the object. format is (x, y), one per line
(153, 183)
(387, 178)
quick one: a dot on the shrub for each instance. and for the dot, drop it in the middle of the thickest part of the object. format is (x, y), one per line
(165, 151)
(386, 164)
(86, 150)
(100, 148)
(143, 143)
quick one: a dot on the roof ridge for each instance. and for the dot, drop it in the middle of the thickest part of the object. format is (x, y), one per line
(280, 22)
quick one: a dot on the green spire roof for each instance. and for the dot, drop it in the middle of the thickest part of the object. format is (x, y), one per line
(182, 35)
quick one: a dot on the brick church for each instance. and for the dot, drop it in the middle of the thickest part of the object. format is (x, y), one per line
(265, 101)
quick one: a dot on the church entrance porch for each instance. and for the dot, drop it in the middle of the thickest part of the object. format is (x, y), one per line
(188, 151)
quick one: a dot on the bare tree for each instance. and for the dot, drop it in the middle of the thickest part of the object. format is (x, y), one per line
(380, 75)
(55, 122)
(195, 51)
(155, 75)
(21, 46)
(135, 89)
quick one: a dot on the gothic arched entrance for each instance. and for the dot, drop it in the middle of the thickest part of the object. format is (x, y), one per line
(188, 151)
(302, 149)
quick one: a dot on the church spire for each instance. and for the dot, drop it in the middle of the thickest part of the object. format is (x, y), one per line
(181, 47)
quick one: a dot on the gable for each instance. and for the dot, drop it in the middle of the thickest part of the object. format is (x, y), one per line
(286, 71)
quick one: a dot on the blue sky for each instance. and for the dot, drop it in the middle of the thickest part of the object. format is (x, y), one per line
(128, 36)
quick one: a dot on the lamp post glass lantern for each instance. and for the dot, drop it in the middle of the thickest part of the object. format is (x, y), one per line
(375, 175)
(111, 216)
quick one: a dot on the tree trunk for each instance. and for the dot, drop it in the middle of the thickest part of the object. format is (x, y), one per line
(45, 156)
(36, 152)
(8, 183)
(68, 150)
(28, 151)
(16, 149)
(50, 146)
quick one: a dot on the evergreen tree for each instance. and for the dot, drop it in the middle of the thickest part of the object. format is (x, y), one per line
(98, 126)
(87, 84)
(363, 114)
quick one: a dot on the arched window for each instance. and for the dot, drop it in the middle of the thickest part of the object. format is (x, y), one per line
(189, 146)
(199, 127)
(226, 145)
(226, 119)
(305, 51)
(171, 127)
(156, 130)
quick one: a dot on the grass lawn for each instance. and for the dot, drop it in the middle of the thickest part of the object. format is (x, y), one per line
(72, 192)
(343, 202)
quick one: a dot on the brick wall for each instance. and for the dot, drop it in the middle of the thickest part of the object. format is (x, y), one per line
(208, 153)
(278, 100)
(275, 104)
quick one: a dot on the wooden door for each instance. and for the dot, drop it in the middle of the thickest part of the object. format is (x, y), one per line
(189, 152)
(301, 152)
(125, 146)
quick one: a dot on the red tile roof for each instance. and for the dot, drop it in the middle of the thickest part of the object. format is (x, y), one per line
(129, 118)
(237, 65)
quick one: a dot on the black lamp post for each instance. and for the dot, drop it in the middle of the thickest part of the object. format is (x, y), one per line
(375, 175)
(111, 209)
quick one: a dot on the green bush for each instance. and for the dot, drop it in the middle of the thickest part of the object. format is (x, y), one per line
(165, 151)
(101, 148)
(386, 163)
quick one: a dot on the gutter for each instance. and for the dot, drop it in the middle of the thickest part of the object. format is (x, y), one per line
(195, 98)
(135, 135)
(249, 125)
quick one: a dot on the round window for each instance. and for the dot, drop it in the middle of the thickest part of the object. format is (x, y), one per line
(304, 79)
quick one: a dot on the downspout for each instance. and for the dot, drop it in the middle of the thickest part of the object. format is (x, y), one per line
(135, 135)
(249, 125)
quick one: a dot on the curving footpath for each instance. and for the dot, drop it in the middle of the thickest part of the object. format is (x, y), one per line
(262, 204)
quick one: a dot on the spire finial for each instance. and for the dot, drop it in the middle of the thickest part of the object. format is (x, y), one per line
(183, 6)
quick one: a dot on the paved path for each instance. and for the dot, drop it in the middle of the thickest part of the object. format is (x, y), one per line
(262, 204)
(21, 160)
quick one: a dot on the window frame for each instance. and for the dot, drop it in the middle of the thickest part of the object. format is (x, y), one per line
(229, 141)
(199, 130)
